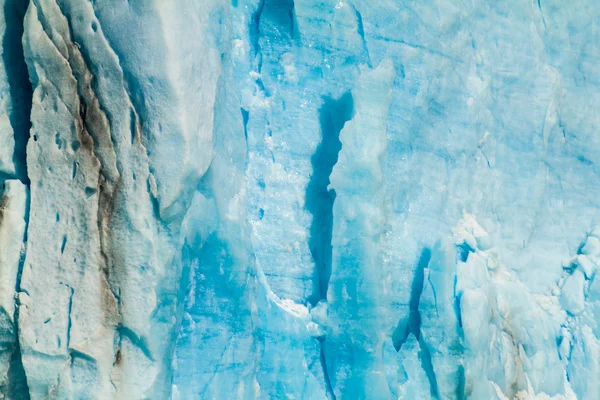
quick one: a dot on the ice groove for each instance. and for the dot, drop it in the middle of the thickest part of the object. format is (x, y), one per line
(20, 89)
(333, 114)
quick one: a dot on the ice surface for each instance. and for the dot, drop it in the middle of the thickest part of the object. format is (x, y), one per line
(258, 199)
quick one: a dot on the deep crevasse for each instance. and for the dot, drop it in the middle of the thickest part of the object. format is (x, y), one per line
(299, 199)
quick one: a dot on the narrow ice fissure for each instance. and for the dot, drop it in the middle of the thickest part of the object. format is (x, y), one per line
(413, 325)
(69, 314)
(21, 93)
(323, 361)
(333, 114)
(17, 379)
(427, 365)
(245, 118)
(280, 13)
(361, 32)
(136, 340)
(254, 32)
(20, 90)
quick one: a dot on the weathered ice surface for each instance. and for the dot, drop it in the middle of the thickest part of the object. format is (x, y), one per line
(264, 199)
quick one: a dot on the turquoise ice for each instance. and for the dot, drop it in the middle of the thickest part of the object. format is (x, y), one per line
(299, 199)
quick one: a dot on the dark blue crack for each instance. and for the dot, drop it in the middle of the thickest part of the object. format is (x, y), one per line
(69, 311)
(280, 15)
(323, 360)
(463, 251)
(78, 355)
(413, 324)
(17, 75)
(457, 299)
(427, 365)
(539, 4)
(21, 93)
(245, 118)
(63, 244)
(460, 388)
(361, 32)
(17, 379)
(254, 29)
(333, 114)
(139, 342)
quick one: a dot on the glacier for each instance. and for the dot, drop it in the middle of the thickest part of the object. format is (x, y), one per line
(299, 199)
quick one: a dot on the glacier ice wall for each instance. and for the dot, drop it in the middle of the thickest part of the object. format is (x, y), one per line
(210, 199)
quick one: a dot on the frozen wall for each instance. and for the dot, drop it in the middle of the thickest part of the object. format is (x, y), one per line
(299, 199)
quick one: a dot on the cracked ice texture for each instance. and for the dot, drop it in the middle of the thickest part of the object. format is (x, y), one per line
(299, 199)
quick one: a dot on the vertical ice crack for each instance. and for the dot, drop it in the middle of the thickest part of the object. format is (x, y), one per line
(434, 293)
(280, 15)
(361, 32)
(254, 33)
(69, 314)
(20, 89)
(21, 93)
(17, 379)
(539, 4)
(333, 114)
(323, 361)
(427, 365)
(273, 22)
(245, 118)
(413, 325)
(139, 342)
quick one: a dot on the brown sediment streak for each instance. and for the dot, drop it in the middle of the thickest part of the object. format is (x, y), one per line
(105, 190)
(118, 357)
(94, 132)
(3, 205)
(94, 135)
